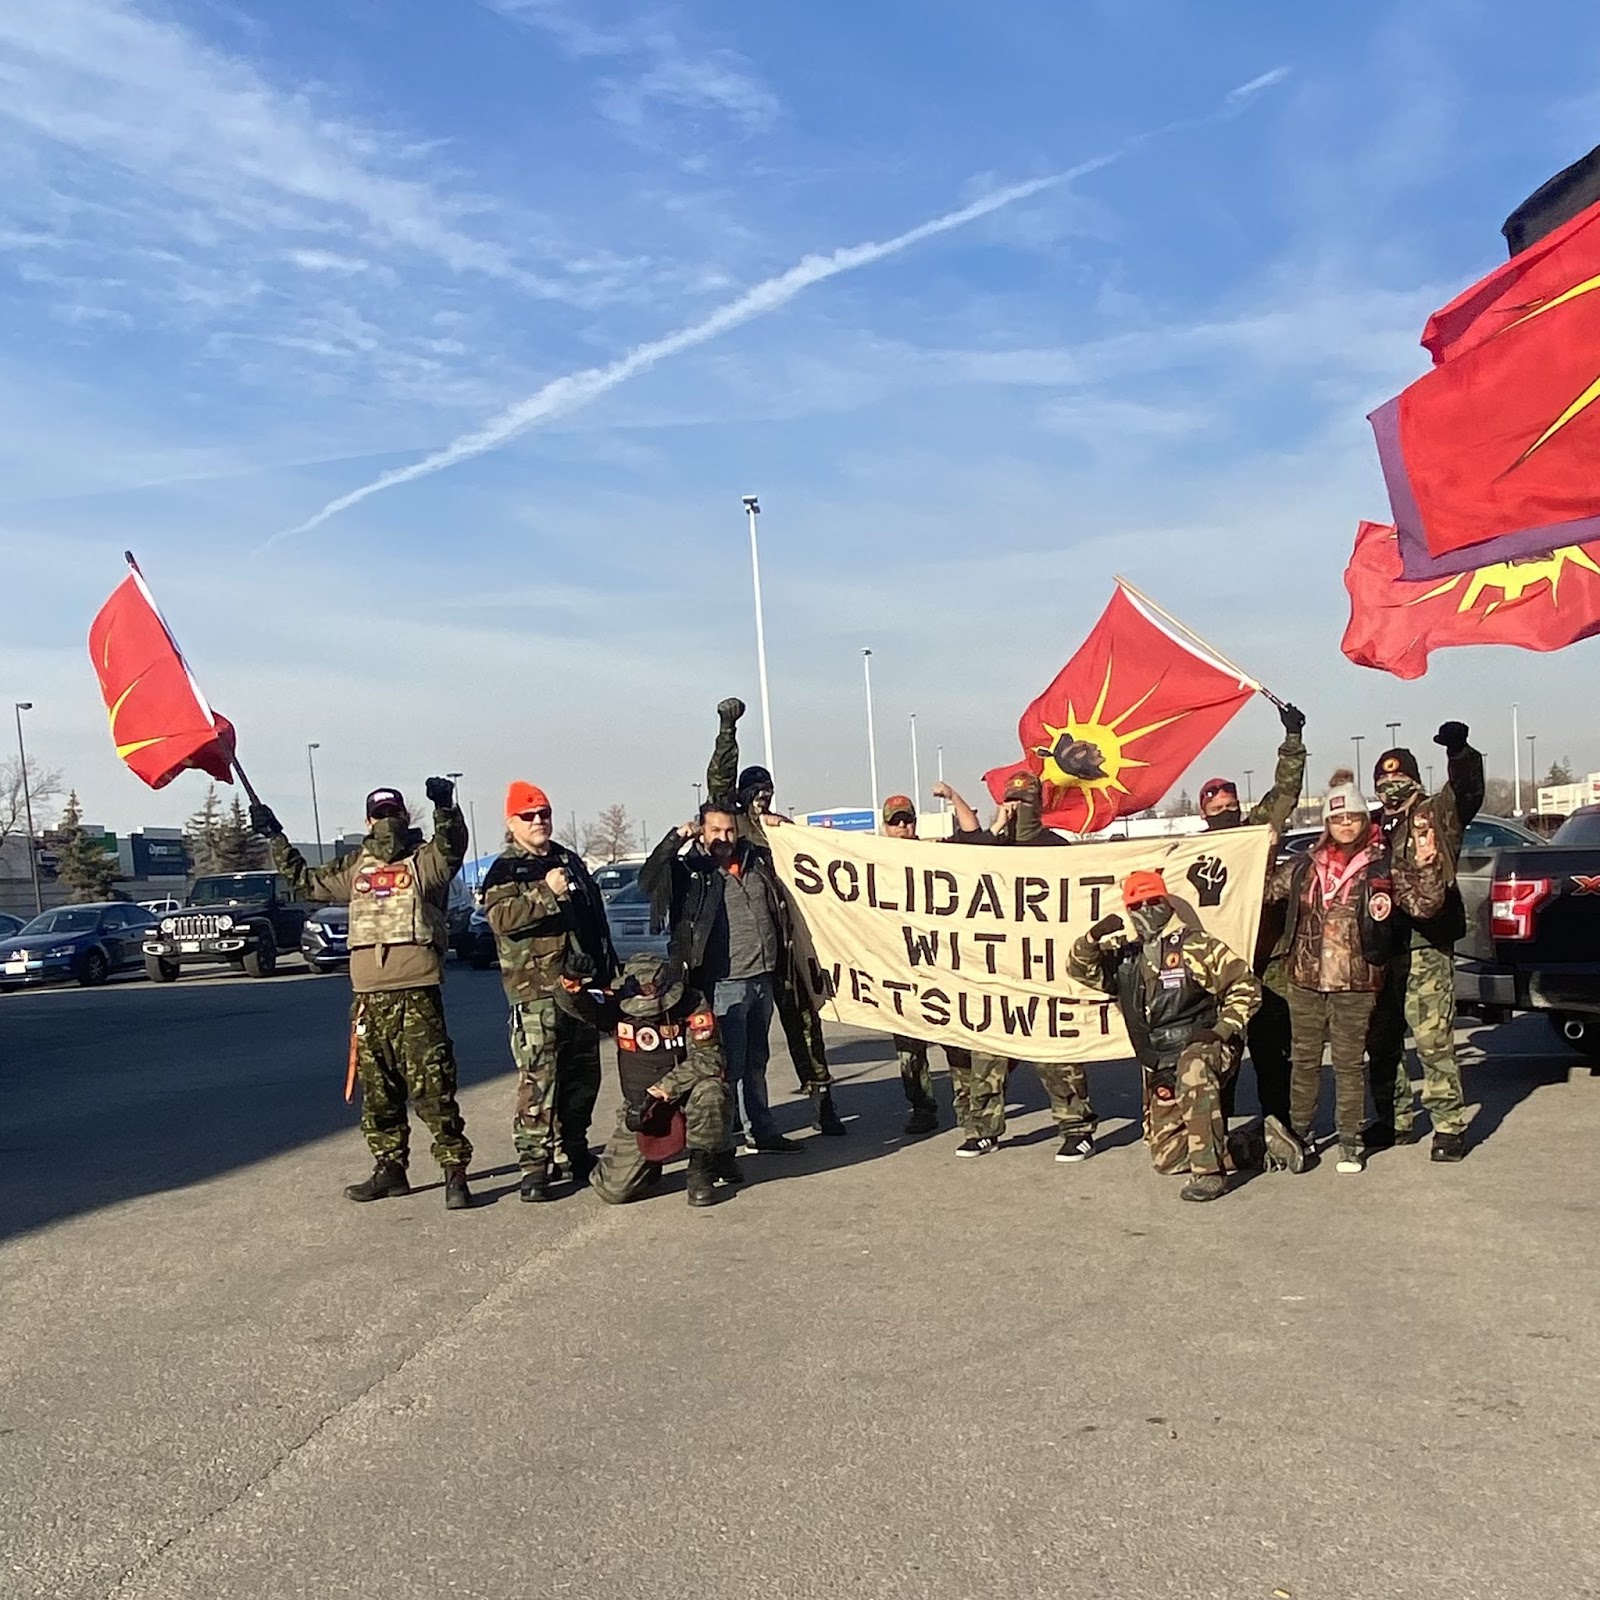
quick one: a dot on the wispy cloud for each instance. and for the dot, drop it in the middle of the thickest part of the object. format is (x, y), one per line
(1266, 80)
(665, 74)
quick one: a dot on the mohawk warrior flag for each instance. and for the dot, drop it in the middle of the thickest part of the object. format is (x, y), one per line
(1541, 604)
(160, 722)
(1490, 456)
(1123, 719)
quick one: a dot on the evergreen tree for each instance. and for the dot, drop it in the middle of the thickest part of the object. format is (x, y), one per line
(202, 834)
(237, 848)
(1560, 772)
(81, 862)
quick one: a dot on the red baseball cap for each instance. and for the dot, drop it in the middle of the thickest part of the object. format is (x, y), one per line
(898, 807)
(1143, 886)
(523, 796)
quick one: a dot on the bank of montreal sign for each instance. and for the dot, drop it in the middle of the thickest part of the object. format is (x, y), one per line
(841, 817)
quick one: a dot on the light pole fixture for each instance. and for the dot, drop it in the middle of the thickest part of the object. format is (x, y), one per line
(1355, 739)
(1394, 733)
(316, 817)
(1249, 792)
(752, 508)
(27, 808)
(872, 738)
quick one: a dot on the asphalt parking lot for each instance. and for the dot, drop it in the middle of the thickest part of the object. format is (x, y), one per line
(876, 1371)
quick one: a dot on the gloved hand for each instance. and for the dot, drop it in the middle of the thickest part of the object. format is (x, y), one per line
(1293, 719)
(580, 968)
(441, 792)
(1105, 927)
(637, 1117)
(731, 709)
(1453, 736)
(263, 821)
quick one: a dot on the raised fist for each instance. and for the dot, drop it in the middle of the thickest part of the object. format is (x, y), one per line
(1209, 875)
(731, 709)
(440, 792)
(1105, 927)
(580, 967)
(1293, 719)
(263, 821)
(1453, 736)
(942, 791)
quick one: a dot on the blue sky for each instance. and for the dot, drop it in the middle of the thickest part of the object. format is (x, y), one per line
(255, 257)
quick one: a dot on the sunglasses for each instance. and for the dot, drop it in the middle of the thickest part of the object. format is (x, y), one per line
(534, 816)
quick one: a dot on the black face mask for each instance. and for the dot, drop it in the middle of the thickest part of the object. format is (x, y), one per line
(1397, 793)
(1149, 919)
(389, 838)
(1233, 817)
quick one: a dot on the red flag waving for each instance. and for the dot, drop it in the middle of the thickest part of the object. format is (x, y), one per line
(1123, 719)
(1501, 437)
(1540, 604)
(160, 722)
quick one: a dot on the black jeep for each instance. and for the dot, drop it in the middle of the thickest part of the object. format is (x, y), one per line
(243, 918)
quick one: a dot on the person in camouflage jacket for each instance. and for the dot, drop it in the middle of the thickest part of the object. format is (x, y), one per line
(542, 905)
(1185, 997)
(1420, 988)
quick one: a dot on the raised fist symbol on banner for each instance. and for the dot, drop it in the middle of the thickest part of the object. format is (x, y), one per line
(1210, 877)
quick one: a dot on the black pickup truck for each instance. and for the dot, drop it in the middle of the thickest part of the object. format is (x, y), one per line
(243, 918)
(1533, 932)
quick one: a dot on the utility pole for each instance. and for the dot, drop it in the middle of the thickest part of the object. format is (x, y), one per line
(753, 511)
(27, 808)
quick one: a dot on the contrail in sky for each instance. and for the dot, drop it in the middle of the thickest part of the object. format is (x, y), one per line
(566, 394)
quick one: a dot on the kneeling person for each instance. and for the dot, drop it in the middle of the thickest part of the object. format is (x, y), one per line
(1185, 997)
(669, 1058)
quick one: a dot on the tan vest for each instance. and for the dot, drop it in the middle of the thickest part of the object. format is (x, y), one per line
(387, 907)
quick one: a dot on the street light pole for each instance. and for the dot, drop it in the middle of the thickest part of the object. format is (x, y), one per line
(916, 769)
(1516, 761)
(27, 808)
(316, 819)
(1533, 774)
(1249, 791)
(1356, 738)
(753, 510)
(872, 738)
(472, 844)
(944, 805)
(472, 833)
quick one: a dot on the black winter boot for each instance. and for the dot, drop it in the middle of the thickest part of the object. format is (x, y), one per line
(724, 1167)
(698, 1182)
(457, 1196)
(827, 1117)
(388, 1178)
(535, 1184)
(581, 1162)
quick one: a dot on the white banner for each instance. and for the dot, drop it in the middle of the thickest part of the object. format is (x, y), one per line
(967, 944)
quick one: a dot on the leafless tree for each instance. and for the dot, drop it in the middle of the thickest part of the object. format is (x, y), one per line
(609, 837)
(44, 788)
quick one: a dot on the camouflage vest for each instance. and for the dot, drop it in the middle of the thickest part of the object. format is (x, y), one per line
(388, 907)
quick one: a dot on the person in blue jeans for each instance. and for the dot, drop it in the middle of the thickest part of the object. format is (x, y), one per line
(729, 934)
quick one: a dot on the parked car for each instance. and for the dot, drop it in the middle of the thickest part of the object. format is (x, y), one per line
(458, 913)
(480, 947)
(628, 912)
(325, 939)
(83, 943)
(160, 908)
(243, 918)
(1533, 927)
(616, 876)
(10, 924)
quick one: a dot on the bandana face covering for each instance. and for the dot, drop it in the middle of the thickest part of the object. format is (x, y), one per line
(389, 839)
(1394, 792)
(1150, 918)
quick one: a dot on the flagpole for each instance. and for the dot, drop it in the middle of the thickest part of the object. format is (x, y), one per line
(1195, 639)
(233, 758)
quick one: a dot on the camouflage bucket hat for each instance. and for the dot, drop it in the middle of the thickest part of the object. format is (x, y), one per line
(649, 986)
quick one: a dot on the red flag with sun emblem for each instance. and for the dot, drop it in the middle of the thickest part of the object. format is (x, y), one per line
(1540, 604)
(1123, 719)
(160, 722)
(1500, 439)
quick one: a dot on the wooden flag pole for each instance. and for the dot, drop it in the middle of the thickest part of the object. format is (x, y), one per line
(233, 757)
(1194, 638)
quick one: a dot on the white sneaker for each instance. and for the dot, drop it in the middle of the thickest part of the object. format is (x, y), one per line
(1351, 1159)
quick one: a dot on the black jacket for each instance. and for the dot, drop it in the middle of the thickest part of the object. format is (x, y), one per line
(685, 892)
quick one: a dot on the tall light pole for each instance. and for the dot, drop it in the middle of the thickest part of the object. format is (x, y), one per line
(1533, 775)
(1355, 739)
(753, 510)
(916, 768)
(472, 833)
(316, 818)
(1516, 760)
(872, 738)
(472, 814)
(1249, 791)
(697, 787)
(1394, 734)
(27, 807)
(944, 805)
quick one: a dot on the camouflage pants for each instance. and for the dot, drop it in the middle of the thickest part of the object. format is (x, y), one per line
(403, 1052)
(1420, 991)
(916, 1075)
(980, 1085)
(802, 1030)
(1189, 1133)
(623, 1174)
(1340, 1021)
(558, 1080)
(1067, 1084)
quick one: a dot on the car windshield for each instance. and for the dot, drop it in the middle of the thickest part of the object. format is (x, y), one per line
(71, 919)
(612, 880)
(633, 895)
(227, 891)
(1495, 833)
(1583, 827)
